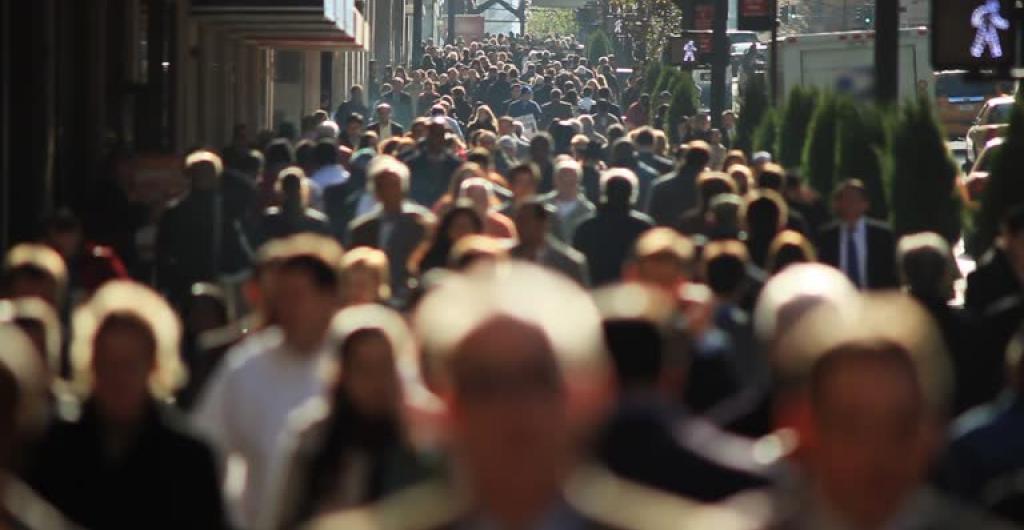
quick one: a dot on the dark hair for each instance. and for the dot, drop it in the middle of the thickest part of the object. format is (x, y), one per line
(481, 156)
(326, 152)
(441, 247)
(354, 117)
(852, 184)
(346, 427)
(771, 178)
(251, 162)
(726, 273)
(279, 153)
(644, 136)
(323, 275)
(925, 270)
(1013, 221)
(527, 167)
(697, 155)
(637, 349)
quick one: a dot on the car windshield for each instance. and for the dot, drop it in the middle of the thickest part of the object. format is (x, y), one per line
(987, 157)
(999, 113)
(743, 37)
(954, 85)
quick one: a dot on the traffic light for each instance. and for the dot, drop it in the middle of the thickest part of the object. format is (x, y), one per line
(974, 34)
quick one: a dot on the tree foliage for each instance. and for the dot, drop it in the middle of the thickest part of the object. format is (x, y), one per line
(861, 143)
(599, 45)
(754, 103)
(684, 103)
(766, 134)
(543, 21)
(794, 126)
(819, 154)
(1005, 187)
(923, 185)
(660, 20)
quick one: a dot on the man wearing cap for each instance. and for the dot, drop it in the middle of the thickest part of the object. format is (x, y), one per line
(536, 244)
(383, 126)
(526, 384)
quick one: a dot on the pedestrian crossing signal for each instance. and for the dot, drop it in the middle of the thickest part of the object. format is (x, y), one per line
(974, 35)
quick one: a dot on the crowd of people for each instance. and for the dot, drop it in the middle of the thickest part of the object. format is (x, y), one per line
(503, 296)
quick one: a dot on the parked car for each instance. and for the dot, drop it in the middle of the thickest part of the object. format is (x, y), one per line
(977, 179)
(958, 99)
(992, 122)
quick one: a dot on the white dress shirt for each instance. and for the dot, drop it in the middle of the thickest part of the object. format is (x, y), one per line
(860, 240)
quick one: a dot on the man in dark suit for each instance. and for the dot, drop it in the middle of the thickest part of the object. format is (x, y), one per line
(643, 137)
(650, 439)
(607, 237)
(396, 226)
(864, 249)
(555, 109)
(383, 126)
(536, 244)
(354, 105)
(999, 273)
(675, 193)
(526, 385)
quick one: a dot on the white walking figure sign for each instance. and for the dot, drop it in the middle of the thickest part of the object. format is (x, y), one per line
(988, 22)
(690, 52)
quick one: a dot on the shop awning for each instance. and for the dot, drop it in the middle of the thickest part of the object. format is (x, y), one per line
(287, 23)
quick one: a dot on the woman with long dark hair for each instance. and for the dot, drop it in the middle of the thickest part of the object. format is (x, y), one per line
(354, 447)
(460, 220)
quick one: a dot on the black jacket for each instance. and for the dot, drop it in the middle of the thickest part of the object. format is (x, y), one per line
(671, 196)
(992, 280)
(606, 239)
(881, 260)
(166, 479)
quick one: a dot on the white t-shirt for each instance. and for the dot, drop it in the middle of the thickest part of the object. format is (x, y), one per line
(245, 408)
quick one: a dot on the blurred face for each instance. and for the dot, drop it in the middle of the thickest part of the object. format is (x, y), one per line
(530, 227)
(460, 227)
(388, 189)
(850, 205)
(66, 242)
(479, 196)
(371, 378)
(353, 128)
(728, 121)
(509, 415)
(567, 182)
(522, 185)
(505, 127)
(123, 359)
(362, 286)
(299, 306)
(872, 444)
(384, 114)
(660, 270)
(37, 285)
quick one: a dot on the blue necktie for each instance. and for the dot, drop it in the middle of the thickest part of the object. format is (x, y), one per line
(852, 259)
